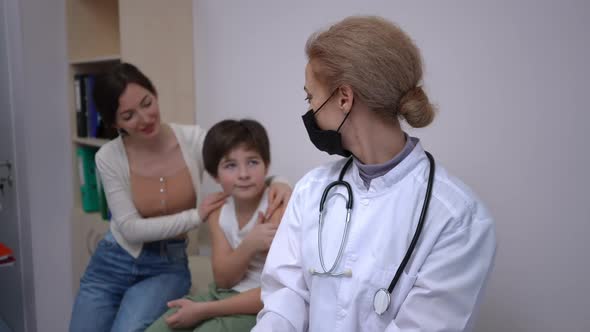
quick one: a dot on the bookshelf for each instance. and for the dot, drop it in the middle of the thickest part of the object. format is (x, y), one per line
(95, 60)
(156, 36)
(89, 141)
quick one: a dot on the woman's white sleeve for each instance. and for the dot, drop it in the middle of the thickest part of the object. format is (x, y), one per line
(129, 223)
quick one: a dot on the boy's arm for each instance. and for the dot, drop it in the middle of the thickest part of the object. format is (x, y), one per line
(248, 302)
(245, 303)
(229, 265)
(189, 313)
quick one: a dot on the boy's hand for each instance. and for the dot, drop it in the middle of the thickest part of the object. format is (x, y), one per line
(279, 194)
(261, 236)
(188, 313)
(211, 203)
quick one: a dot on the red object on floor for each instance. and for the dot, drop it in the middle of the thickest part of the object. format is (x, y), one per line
(7, 261)
(6, 256)
(5, 252)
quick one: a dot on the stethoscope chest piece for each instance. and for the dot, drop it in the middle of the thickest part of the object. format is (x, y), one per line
(381, 301)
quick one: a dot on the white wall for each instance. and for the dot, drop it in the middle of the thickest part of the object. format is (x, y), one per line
(42, 134)
(511, 83)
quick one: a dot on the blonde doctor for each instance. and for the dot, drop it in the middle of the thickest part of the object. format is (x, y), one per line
(383, 239)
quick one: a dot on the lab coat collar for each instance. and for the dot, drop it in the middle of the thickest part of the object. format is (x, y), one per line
(390, 178)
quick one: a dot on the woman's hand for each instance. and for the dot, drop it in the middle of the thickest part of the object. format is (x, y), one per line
(278, 195)
(188, 315)
(211, 203)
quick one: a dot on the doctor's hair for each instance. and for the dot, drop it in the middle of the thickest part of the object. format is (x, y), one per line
(227, 135)
(109, 87)
(380, 63)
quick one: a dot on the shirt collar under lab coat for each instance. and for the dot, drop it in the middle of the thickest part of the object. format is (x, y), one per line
(391, 178)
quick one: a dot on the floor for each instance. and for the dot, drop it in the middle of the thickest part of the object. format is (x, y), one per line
(3, 327)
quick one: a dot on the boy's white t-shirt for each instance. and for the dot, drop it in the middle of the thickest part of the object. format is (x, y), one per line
(234, 235)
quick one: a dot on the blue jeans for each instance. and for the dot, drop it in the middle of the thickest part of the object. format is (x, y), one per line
(121, 293)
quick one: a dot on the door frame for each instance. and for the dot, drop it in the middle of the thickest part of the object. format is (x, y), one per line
(14, 39)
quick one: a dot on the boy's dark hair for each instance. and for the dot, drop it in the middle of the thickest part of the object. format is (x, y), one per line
(230, 134)
(110, 86)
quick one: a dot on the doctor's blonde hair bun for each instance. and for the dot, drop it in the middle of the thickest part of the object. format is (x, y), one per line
(378, 60)
(415, 108)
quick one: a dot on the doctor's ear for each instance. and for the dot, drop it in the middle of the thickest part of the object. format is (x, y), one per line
(345, 98)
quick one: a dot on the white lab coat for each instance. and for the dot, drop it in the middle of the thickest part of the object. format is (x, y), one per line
(441, 286)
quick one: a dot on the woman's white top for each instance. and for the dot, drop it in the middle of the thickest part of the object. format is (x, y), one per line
(128, 227)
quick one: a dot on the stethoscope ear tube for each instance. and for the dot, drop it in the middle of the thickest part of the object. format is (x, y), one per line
(416, 236)
(330, 271)
(340, 182)
(332, 185)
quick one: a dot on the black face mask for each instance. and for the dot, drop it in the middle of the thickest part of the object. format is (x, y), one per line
(329, 141)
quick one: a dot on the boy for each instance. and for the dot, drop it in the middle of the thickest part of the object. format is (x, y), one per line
(237, 155)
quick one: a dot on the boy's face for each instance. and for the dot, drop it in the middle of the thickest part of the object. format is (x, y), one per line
(242, 173)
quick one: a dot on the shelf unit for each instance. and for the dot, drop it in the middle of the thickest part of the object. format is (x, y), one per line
(157, 37)
(95, 60)
(89, 141)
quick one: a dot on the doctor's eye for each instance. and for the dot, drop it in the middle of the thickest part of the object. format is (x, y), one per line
(308, 98)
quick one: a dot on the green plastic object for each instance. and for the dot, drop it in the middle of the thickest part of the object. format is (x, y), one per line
(88, 183)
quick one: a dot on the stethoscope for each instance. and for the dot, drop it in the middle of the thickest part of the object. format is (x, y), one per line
(382, 298)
